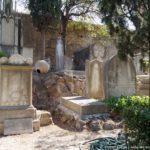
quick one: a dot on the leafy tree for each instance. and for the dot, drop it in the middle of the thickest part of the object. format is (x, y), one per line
(119, 15)
(74, 8)
(43, 13)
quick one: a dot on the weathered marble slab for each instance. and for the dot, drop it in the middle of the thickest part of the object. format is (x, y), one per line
(95, 79)
(120, 77)
(18, 126)
(8, 32)
(84, 106)
(15, 85)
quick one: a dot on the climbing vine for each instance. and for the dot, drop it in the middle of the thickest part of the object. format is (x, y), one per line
(94, 30)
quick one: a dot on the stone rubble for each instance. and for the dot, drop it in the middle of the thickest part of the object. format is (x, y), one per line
(94, 122)
(49, 88)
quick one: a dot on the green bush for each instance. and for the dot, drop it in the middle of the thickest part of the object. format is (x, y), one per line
(144, 65)
(3, 54)
(135, 111)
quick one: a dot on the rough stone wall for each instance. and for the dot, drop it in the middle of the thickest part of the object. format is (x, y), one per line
(78, 41)
(49, 88)
(143, 85)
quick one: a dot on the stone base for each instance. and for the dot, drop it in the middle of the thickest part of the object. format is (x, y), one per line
(39, 117)
(21, 112)
(9, 113)
(18, 126)
(84, 106)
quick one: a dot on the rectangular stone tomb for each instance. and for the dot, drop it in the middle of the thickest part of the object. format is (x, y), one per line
(84, 106)
(15, 86)
(18, 126)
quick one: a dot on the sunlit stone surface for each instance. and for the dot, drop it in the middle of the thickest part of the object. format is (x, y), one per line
(94, 79)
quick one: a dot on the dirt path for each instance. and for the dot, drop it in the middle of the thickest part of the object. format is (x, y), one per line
(51, 138)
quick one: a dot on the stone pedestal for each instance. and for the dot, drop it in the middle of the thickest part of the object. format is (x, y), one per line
(16, 97)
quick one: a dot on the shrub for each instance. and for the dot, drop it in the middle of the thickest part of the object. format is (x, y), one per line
(135, 111)
(3, 54)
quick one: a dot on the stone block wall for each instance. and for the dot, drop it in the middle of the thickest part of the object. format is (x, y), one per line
(76, 40)
(143, 85)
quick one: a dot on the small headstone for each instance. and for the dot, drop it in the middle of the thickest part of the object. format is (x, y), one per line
(95, 79)
(18, 126)
(120, 77)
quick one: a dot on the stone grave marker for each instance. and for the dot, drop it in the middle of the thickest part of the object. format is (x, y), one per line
(95, 79)
(120, 77)
(15, 86)
(16, 99)
(8, 32)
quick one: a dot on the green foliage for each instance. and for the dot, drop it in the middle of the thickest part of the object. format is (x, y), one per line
(44, 12)
(93, 30)
(119, 15)
(3, 54)
(144, 65)
(136, 114)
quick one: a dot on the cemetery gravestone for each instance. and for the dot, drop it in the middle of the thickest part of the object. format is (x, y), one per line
(16, 99)
(95, 79)
(8, 32)
(15, 86)
(120, 77)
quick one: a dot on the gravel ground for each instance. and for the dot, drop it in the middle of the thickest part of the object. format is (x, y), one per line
(51, 137)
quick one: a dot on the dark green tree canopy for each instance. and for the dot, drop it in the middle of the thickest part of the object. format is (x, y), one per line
(44, 12)
(119, 15)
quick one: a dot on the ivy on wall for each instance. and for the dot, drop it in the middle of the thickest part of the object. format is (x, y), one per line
(95, 31)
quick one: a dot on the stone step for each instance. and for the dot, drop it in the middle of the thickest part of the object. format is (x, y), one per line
(84, 106)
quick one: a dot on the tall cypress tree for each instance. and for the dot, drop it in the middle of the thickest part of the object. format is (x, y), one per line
(43, 13)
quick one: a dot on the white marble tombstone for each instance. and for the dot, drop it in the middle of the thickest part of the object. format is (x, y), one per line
(120, 77)
(8, 32)
(94, 80)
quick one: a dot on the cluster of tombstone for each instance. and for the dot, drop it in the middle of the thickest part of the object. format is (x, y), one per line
(112, 77)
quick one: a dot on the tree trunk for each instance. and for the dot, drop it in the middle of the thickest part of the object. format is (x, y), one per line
(43, 44)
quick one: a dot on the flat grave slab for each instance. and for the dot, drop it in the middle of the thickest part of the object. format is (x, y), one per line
(84, 106)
